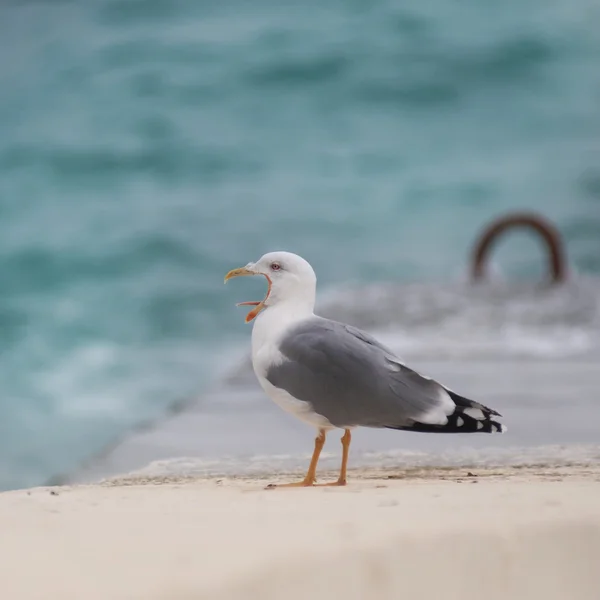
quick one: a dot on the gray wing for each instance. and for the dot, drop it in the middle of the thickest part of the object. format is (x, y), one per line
(351, 379)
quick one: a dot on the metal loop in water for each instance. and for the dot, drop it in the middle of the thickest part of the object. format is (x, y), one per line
(549, 234)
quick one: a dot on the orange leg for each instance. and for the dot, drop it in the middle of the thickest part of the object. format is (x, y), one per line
(311, 474)
(346, 439)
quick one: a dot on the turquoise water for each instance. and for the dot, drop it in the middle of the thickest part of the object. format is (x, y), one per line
(146, 147)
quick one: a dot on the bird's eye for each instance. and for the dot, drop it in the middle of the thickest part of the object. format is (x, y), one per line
(275, 267)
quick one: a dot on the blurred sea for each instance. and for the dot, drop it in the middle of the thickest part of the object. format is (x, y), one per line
(148, 146)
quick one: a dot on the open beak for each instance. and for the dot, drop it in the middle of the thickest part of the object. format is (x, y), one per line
(258, 306)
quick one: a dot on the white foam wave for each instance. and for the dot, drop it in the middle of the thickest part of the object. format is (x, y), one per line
(462, 320)
(266, 465)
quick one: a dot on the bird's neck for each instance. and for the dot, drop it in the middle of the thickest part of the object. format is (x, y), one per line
(276, 319)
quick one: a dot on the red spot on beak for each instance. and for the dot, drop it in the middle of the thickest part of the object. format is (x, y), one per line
(258, 305)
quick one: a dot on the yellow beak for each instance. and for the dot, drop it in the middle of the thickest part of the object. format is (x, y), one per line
(238, 273)
(258, 306)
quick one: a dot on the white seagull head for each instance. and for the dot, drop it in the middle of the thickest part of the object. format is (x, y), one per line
(290, 279)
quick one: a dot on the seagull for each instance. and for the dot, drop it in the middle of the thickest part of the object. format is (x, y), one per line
(333, 375)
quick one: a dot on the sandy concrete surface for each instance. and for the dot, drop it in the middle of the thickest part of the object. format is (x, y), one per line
(529, 532)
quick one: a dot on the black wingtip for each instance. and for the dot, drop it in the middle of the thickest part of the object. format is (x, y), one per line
(468, 417)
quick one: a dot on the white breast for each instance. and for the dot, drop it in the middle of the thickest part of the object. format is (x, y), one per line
(300, 409)
(268, 328)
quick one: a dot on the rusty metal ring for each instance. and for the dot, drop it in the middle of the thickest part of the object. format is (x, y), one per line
(545, 229)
